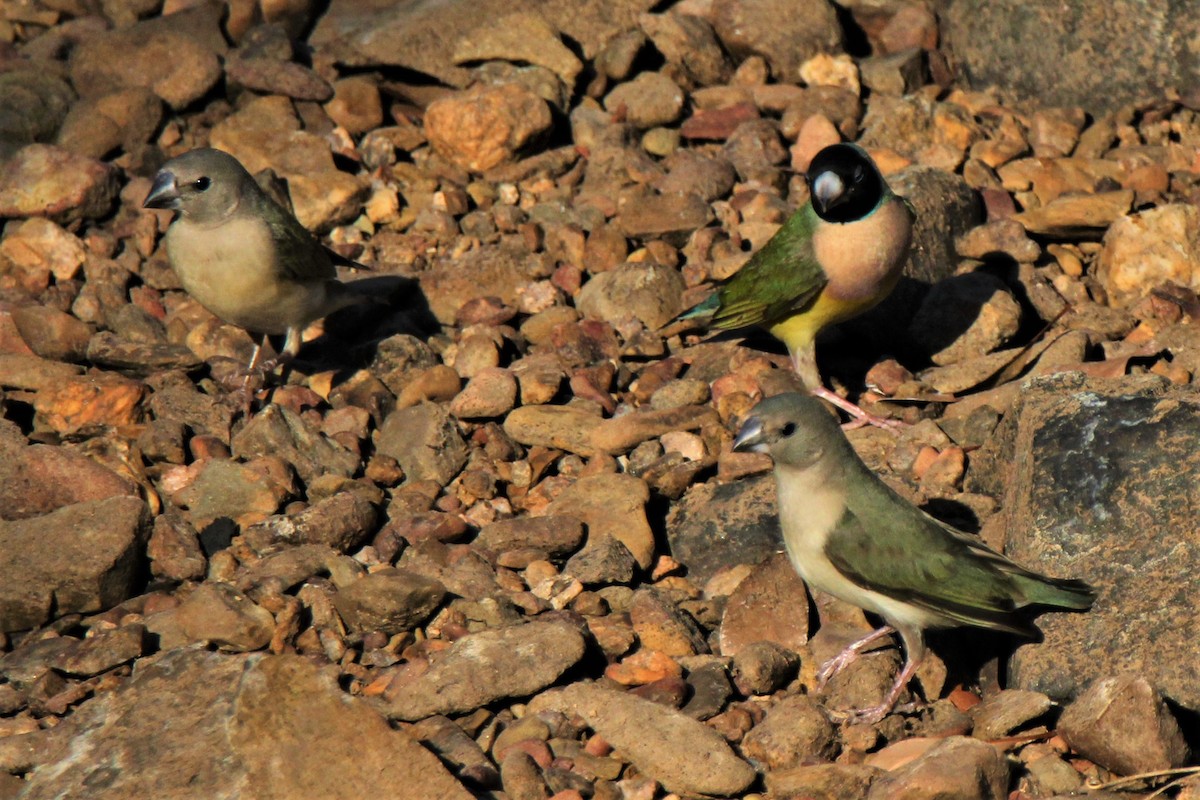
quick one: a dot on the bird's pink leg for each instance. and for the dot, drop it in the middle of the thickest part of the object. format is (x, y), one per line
(870, 716)
(848, 656)
(805, 364)
(861, 416)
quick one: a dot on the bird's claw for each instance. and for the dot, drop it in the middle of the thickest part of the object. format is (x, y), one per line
(833, 666)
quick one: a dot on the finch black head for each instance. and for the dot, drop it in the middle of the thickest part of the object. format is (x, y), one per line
(844, 183)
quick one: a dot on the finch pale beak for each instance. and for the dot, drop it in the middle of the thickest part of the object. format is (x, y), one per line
(750, 437)
(164, 193)
(827, 190)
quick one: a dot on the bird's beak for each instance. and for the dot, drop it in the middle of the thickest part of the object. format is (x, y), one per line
(164, 193)
(750, 437)
(827, 190)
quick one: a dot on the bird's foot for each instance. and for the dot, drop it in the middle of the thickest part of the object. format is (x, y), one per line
(872, 715)
(860, 416)
(848, 656)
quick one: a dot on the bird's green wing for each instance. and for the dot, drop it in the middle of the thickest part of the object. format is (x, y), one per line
(780, 279)
(299, 256)
(908, 555)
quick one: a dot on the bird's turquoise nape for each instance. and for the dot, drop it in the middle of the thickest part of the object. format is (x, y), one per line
(836, 257)
(849, 534)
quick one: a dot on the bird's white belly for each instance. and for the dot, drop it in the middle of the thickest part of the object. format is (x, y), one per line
(810, 507)
(232, 275)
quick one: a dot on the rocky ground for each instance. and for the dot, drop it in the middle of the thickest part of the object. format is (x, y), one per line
(488, 538)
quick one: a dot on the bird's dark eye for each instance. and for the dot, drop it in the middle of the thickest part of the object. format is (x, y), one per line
(859, 175)
(788, 430)
(202, 184)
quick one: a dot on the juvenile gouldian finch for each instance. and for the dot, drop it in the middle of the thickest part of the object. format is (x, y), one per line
(240, 254)
(849, 534)
(834, 258)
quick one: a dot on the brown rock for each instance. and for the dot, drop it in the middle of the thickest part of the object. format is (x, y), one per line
(1144, 250)
(1004, 712)
(612, 506)
(487, 126)
(266, 134)
(660, 625)
(276, 76)
(515, 661)
(356, 105)
(103, 651)
(555, 536)
(239, 712)
(39, 245)
(174, 550)
(660, 741)
(1072, 214)
(172, 56)
(91, 566)
(389, 601)
(763, 668)
(672, 214)
(222, 488)
(689, 45)
(822, 781)
(520, 37)
(957, 767)
(39, 478)
(1123, 725)
(342, 522)
(568, 428)
(44, 180)
(426, 442)
(217, 613)
(650, 100)
(650, 293)
(125, 118)
(33, 103)
(785, 34)
(764, 606)
(794, 730)
(51, 333)
(491, 392)
(103, 398)
(280, 432)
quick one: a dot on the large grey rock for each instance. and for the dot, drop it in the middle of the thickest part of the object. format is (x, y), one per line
(425, 35)
(484, 667)
(717, 525)
(1099, 480)
(193, 723)
(784, 32)
(1101, 55)
(81, 558)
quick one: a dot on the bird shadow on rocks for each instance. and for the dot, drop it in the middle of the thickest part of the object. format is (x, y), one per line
(352, 334)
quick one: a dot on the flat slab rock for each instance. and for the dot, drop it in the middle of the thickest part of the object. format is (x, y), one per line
(81, 558)
(484, 667)
(684, 755)
(1102, 488)
(193, 723)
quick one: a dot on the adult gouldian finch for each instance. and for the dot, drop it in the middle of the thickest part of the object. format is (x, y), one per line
(849, 534)
(834, 258)
(243, 256)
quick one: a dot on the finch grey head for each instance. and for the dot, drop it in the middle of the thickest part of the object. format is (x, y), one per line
(204, 185)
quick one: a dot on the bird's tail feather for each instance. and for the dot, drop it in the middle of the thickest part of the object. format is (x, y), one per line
(1059, 593)
(704, 309)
